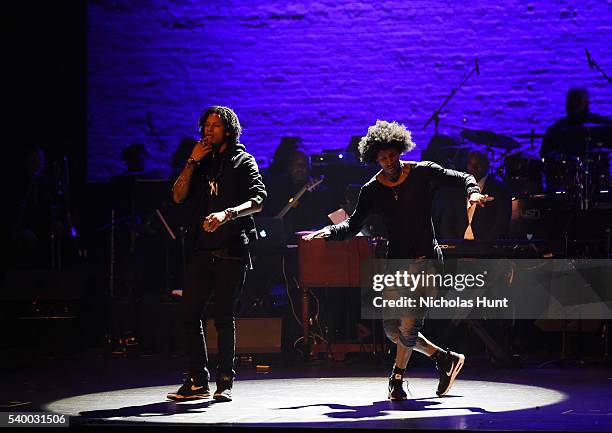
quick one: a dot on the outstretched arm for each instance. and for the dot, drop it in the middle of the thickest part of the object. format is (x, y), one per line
(449, 177)
(349, 227)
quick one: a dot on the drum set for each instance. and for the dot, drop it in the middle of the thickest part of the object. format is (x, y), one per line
(576, 176)
(577, 172)
(563, 197)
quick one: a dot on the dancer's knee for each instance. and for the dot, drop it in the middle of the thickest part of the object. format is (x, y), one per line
(409, 332)
(391, 328)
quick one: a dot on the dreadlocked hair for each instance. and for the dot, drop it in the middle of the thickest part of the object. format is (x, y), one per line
(232, 124)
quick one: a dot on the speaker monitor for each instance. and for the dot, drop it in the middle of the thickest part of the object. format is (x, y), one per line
(253, 335)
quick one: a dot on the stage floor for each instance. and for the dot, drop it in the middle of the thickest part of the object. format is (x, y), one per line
(100, 390)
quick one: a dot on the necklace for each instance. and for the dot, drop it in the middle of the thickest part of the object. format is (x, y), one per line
(397, 182)
(395, 193)
(212, 180)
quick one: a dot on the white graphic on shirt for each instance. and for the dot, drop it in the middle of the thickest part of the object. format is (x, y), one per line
(214, 187)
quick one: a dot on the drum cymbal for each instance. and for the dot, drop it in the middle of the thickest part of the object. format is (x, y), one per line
(601, 150)
(490, 138)
(529, 135)
(574, 139)
(456, 146)
(595, 125)
(598, 127)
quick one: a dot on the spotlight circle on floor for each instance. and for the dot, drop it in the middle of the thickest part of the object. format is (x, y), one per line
(308, 400)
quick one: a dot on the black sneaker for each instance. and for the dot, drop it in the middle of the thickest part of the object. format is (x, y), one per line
(224, 388)
(449, 365)
(191, 390)
(396, 389)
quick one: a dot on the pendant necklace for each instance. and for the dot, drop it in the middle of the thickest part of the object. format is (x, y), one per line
(213, 183)
(395, 188)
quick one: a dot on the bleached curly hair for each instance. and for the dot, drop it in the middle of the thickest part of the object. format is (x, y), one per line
(384, 135)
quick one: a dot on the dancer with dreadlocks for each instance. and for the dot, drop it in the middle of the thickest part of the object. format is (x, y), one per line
(401, 194)
(224, 182)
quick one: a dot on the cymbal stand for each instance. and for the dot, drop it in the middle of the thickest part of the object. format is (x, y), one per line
(111, 259)
(167, 252)
(436, 114)
(532, 145)
(586, 175)
(500, 168)
(494, 160)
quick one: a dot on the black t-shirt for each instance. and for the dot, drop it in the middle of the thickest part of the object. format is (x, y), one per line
(407, 219)
(236, 178)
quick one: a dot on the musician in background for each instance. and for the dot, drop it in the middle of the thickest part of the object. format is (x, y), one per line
(133, 228)
(30, 221)
(310, 210)
(445, 150)
(478, 223)
(224, 181)
(135, 157)
(278, 168)
(562, 137)
(402, 193)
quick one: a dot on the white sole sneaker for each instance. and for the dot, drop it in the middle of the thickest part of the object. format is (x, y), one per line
(179, 397)
(454, 374)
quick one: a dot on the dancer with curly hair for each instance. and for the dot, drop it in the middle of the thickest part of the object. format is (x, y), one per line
(401, 193)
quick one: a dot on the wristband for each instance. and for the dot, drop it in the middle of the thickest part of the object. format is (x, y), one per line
(233, 214)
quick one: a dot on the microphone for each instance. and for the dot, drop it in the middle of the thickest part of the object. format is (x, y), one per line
(589, 58)
(477, 68)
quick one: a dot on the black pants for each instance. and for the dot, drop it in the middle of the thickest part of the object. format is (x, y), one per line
(209, 277)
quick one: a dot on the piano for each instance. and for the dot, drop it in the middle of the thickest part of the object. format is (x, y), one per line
(324, 263)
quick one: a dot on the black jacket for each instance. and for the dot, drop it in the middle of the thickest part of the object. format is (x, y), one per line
(238, 178)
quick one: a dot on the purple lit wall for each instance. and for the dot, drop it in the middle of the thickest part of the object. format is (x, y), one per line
(327, 70)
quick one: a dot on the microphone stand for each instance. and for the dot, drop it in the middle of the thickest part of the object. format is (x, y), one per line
(166, 247)
(592, 63)
(586, 175)
(436, 114)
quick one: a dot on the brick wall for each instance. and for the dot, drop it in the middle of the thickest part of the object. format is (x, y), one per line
(327, 70)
